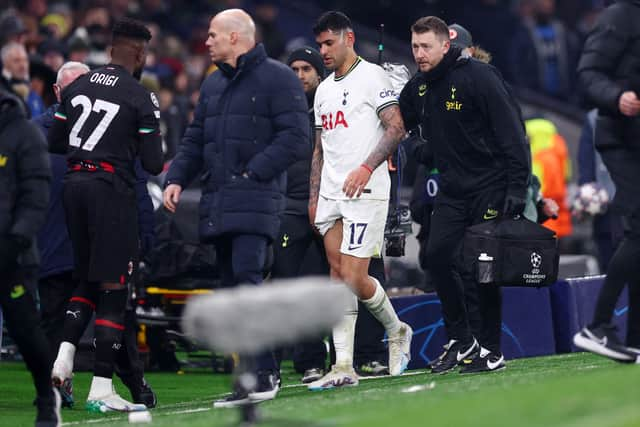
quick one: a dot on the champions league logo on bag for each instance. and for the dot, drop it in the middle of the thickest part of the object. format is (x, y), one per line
(535, 278)
(536, 260)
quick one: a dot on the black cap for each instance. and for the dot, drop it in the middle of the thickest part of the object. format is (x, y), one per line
(52, 45)
(10, 25)
(310, 55)
(460, 36)
(76, 43)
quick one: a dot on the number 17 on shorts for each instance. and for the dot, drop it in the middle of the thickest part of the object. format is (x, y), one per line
(363, 231)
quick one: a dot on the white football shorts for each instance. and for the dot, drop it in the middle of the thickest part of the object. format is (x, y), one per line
(363, 223)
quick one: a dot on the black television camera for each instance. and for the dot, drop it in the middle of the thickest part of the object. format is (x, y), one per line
(396, 230)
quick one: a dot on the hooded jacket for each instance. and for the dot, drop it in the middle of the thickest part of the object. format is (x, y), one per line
(24, 176)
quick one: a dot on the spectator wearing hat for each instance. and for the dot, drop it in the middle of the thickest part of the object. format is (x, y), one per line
(78, 48)
(12, 29)
(544, 53)
(53, 53)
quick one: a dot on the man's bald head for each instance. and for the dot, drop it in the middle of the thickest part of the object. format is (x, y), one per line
(237, 20)
(232, 33)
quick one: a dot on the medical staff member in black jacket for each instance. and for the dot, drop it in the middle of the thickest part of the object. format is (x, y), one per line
(475, 138)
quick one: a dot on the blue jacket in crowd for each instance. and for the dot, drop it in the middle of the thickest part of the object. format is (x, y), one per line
(250, 124)
(56, 253)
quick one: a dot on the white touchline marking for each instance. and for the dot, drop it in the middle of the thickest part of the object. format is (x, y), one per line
(195, 410)
(376, 377)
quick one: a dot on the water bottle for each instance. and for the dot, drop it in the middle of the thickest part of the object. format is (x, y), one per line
(485, 268)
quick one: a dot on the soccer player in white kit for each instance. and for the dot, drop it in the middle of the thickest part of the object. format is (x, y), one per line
(358, 125)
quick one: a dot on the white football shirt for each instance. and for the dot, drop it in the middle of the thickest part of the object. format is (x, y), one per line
(346, 111)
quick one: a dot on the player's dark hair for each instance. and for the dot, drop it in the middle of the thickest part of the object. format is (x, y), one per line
(131, 29)
(433, 24)
(332, 21)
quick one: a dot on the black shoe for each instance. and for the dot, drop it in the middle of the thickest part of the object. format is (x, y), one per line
(145, 395)
(141, 391)
(603, 340)
(49, 410)
(235, 399)
(267, 388)
(372, 369)
(485, 361)
(455, 353)
(312, 374)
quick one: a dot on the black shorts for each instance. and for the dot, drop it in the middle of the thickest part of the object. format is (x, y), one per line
(102, 221)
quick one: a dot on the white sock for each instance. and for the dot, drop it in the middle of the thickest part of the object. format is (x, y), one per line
(100, 387)
(343, 334)
(380, 306)
(66, 355)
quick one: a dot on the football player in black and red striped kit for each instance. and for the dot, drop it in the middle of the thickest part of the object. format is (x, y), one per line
(105, 120)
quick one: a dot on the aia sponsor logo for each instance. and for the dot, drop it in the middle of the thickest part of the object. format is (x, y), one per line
(332, 121)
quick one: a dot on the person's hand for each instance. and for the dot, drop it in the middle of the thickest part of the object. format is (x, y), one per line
(629, 104)
(171, 196)
(356, 180)
(312, 209)
(514, 205)
(550, 208)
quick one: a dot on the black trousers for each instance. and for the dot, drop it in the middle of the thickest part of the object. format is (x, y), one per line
(468, 309)
(19, 311)
(241, 260)
(299, 251)
(624, 268)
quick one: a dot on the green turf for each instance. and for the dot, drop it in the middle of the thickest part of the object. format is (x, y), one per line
(575, 390)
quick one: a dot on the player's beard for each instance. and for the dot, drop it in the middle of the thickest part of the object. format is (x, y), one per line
(137, 73)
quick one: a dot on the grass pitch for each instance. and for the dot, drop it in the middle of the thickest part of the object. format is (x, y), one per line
(575, 390)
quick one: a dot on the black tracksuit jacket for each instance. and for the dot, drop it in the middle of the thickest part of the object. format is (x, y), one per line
(472, 127)
(24, 177)
(609, 66)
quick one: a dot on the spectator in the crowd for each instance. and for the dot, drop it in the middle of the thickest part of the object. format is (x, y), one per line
(543, 53)
(78, 48)
(58, 22)
(608, 71)
(607, 227)
(492, 24)
(53, 53)
(41, 80)
(268, 32)
(12, 28)
(551, 163)
(15, 76)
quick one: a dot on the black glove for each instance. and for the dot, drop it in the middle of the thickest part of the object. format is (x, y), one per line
(514, 205)
(10, 248)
